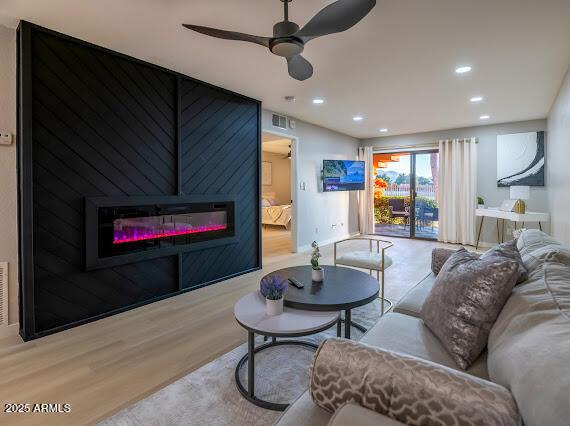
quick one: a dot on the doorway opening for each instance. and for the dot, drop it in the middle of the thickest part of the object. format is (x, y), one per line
(277, 213)
(406, 200)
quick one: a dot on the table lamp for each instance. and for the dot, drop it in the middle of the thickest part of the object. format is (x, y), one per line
(520, 193)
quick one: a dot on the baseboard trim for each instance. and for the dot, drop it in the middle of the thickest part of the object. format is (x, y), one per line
(329, 241)
(9, 330)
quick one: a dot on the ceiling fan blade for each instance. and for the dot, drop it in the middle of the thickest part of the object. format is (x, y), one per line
(229, 35)
(335, 18)
(299, 68)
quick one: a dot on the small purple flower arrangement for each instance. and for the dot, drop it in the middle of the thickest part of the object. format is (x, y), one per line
(273, 287)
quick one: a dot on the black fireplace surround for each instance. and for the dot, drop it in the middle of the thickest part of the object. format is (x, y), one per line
(135, 183)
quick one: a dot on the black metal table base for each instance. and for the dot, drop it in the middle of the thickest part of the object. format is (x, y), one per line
(249, 393)
(348, 314)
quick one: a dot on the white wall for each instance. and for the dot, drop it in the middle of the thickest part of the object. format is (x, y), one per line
(486, 165)
(8, 185)
(557, 166)
(319, 211)
(280, 177)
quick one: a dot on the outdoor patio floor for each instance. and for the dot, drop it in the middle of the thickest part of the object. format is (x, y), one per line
(392, 230)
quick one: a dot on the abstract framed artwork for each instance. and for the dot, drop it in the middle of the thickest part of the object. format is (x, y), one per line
(520, 159)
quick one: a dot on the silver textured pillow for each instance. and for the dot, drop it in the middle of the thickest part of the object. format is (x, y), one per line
(510, 251)
(440, 255)
(466, 298)
(408, 389)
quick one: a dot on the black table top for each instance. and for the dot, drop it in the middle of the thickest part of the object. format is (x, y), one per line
(342, 288)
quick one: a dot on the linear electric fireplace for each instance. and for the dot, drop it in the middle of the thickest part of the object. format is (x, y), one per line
(123, 230)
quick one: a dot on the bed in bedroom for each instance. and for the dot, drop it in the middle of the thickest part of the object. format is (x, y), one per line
(275, 214)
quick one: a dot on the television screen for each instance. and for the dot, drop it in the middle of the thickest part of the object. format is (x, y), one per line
(343, 175)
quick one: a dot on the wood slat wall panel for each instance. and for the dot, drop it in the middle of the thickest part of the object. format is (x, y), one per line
(104, 124)
(218, 136)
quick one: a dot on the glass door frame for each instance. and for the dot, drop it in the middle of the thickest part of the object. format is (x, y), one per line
(413, 192)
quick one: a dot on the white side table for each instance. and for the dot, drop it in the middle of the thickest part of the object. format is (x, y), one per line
(528, 217)
(250, 313)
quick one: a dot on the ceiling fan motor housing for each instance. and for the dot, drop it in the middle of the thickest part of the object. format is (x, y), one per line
(283, 44)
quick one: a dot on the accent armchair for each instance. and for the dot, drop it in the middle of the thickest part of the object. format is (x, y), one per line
(367, 259)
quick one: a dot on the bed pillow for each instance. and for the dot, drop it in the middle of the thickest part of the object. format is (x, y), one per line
(265, 203)
(467, 296)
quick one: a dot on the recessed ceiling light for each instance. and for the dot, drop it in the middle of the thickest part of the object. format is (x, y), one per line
(484, 117)
(358, 118)
(463, 69)
(476, 99)
(318, 101)
(383, 130)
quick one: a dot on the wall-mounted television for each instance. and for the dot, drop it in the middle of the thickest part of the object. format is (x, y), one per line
(343, 175)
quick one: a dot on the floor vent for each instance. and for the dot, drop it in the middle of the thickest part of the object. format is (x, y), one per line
(279, 121)
(3, 293)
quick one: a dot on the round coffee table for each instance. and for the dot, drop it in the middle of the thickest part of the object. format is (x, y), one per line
(250, 313)
(342, 289)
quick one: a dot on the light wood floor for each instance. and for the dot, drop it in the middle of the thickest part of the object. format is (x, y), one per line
(102, 367)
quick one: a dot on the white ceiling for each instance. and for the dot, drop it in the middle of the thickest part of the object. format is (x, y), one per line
(396, 67)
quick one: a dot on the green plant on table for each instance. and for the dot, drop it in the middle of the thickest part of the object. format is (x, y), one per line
(315, 256)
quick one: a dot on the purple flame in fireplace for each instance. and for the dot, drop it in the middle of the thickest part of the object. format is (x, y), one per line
(166, 226)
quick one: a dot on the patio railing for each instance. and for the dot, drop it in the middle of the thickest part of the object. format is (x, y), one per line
(403, 189)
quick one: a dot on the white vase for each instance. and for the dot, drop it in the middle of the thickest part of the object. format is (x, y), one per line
(318, 275)
(274, 307)
(480, 206)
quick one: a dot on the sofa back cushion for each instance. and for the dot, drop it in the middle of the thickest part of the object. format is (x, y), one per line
(529, 345)
(535, 246)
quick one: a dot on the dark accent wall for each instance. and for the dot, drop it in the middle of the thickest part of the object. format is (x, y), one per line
(95, 123)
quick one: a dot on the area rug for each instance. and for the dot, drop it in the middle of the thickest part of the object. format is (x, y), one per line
(208, 396)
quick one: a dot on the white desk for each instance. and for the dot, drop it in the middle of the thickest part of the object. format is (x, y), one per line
(528, 217)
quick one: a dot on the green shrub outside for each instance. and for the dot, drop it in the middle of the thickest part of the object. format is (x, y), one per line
(382, 207)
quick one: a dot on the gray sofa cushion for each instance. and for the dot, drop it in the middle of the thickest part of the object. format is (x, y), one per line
(408, 389)
(535, 246)
(355, 415)
(529, 345)
(465, 300)
(411, 303)
(304, 412)
(405, 334)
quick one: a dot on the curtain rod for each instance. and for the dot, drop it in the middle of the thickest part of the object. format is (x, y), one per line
(421, 147)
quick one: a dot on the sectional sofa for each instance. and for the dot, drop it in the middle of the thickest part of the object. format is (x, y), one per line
(528, 351)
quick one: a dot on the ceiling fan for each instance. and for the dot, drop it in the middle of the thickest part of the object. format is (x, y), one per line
(289, 41)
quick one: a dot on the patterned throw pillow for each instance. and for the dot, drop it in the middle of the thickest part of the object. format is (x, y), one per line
(411, 390)
(466, 298)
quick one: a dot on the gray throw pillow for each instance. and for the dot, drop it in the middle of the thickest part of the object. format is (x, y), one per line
(439, 256)
(510, 251)
(466, 298)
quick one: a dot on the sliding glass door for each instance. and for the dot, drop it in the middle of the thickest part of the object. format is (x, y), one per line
(405, 194)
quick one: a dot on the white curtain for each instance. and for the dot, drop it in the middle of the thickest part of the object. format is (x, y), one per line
(457, 190)
(366, 197)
